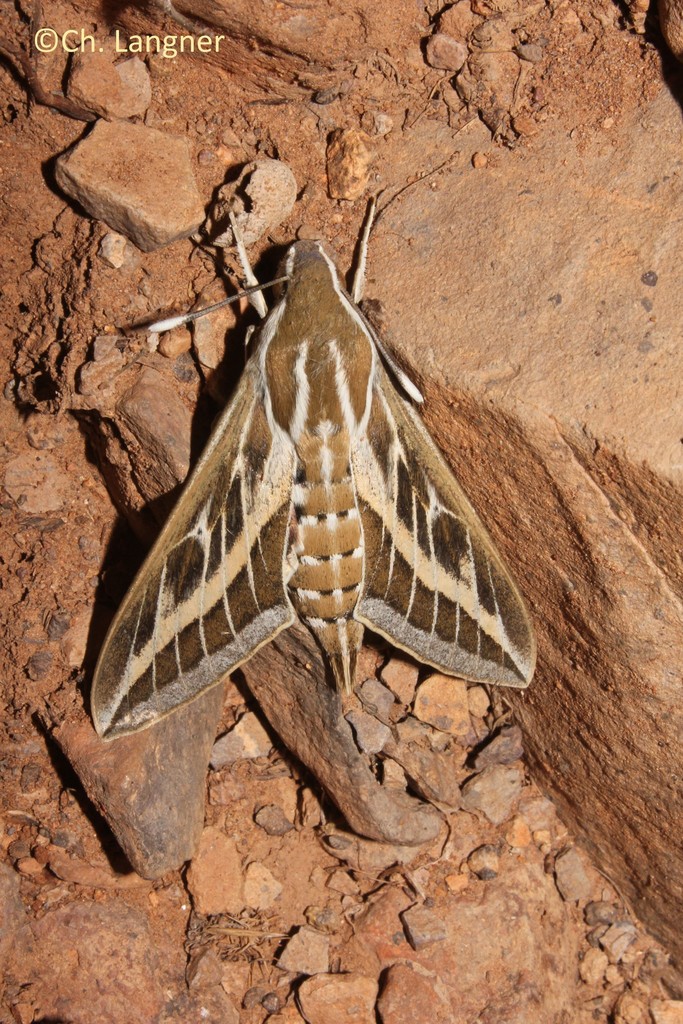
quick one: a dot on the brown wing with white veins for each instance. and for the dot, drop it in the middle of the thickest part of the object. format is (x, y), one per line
(434, 585)
(211, 590)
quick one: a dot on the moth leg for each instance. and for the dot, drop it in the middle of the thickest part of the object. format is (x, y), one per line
(359, 276)
(256, 298)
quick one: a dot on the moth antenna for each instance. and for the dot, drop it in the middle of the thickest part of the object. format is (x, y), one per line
(258, 302)
(159, 326)
(359, 276)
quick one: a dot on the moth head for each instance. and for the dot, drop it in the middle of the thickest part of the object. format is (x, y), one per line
(306, 262)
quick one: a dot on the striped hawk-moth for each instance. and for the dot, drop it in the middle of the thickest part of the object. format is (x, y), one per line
(319, 496)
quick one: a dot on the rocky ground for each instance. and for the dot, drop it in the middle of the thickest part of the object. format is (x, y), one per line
(283, 913)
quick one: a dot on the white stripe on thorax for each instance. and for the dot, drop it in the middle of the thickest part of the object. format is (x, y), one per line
(303, 394)
(342, 383)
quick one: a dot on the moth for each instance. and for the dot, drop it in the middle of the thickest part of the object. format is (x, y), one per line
(319, 496)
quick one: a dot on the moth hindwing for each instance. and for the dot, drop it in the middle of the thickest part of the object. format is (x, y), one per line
(320, 495)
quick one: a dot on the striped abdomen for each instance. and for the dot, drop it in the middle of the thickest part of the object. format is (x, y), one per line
(327, 545)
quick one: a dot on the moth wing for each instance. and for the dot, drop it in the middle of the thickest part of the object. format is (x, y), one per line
(434, 585)
(211, 590)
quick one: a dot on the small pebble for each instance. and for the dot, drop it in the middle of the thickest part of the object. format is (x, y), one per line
(593, 966)
(479, 160)
(667, 1011)
(376, 123)
(571, 876)
(600, 912)
(531, 52)
(478, 701)
(441, 701)
(483, 862)
(174, 343)
(630, 1010)
(503, 748)
(650, 278)
(307, 952)
(39, 664)
(371, 734)
(445, 53)
(494, 792)
(401, 678)
(332, 998)
(393, 775)
(457, 882)
(518, 836)
(272, 820)
(349, 158)
(412, 994)
(617, 939)
(261, 888)
(423, 927)
(341, 881)
(247, 739)
(377, 699)
(115, 250)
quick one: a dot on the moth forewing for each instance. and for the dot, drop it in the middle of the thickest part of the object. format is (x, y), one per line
(211, 590)
(435, 585)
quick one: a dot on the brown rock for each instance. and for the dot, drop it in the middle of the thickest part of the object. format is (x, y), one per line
(160, 427)
(247, 739)
(483, 862)
(667, 1011)
(137, 180)
(261, 199)
(401, 678)
(446, 53)
(441, 701)
(671, 19)
(571, 876)
(14, 929)
(261, 888)
(593, 966)
(173, 343)
(377, 699)
(413, 995)
(110, 967)
(494, 792)
(214, 877)
(371, 735)
(503, 748)
(478, 701)
(479, 943)
(307, 952)
(272, 819)
(606, 470)
(423, 927)
(329, 998)
(109, 90)
(349, 158)
(617, 940)
(518, 835)
(156, 815)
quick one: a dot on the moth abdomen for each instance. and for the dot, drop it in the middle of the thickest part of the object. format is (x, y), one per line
(325, 585)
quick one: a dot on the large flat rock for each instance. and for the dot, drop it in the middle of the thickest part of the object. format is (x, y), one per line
(543, 323)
